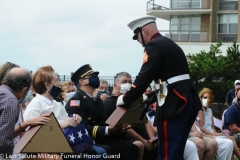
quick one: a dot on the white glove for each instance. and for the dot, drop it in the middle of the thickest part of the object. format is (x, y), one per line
(145, 97)
(120, 101)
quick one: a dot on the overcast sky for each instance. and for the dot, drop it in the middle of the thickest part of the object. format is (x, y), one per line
(70, 33)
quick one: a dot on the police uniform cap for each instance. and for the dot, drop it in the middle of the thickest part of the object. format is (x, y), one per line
(137, 24)
(82, 72)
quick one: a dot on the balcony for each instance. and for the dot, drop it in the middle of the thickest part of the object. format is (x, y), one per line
(186, 36)
(176, 9)
(227, 37)
(228, 6)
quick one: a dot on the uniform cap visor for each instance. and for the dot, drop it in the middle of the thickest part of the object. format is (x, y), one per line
(135, 37)
(95, 72)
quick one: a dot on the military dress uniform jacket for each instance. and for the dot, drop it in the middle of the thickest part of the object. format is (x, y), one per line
(92, 113)
(164, 59)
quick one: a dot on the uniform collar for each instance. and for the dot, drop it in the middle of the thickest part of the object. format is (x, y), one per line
(89, 95)
(155, 36)
(86, 93)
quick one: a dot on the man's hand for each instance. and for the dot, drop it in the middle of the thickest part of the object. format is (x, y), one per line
(116, 128)
(103, 96)
(120, 101)
(77, 118)
(148, 145)
(70, 121)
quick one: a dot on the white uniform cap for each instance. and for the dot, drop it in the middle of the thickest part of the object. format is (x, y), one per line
(237, 81)
(137, 24)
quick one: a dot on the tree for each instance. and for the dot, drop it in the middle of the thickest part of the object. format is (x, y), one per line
(215, 71)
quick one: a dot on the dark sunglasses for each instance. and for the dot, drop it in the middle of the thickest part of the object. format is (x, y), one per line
(205, 97)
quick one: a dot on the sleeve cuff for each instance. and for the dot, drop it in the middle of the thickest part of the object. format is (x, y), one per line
(106, 131)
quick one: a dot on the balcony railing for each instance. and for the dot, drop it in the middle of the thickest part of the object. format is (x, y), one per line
(185, 36)
(228, 5)
(151, 5)
(227, 37)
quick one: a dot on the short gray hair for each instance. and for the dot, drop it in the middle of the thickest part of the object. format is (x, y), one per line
(18, 81)
(103, 81)
(120, 74)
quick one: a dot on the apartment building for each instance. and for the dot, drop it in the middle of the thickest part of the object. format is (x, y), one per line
(195, 24)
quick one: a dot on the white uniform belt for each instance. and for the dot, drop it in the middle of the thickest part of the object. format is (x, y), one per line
(178, 78)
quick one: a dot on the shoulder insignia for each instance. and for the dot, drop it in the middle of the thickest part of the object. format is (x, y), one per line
(145, 57)
(84, 96)
(75, 103)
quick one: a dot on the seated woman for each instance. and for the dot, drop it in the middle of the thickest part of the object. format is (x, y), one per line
(47, 87)
(206, 124)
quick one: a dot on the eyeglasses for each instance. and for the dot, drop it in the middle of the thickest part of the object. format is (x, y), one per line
(205, 97)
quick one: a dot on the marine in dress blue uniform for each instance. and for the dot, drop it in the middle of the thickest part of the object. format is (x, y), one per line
(164, 59)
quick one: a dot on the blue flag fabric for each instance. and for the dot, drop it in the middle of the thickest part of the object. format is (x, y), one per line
(77, 135)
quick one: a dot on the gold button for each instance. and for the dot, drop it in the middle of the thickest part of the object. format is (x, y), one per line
(89, 118)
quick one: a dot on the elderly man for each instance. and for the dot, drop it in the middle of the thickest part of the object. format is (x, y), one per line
(102, 91)
(164, 60)
(13, 91)
(232, 93)
(232, 119)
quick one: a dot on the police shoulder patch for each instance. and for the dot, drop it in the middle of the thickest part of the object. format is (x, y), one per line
(74, 103)
(145, 57)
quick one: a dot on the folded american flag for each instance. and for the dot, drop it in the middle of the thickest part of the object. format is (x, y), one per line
(76, 135)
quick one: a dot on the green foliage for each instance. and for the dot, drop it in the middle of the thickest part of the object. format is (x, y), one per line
(215, 71)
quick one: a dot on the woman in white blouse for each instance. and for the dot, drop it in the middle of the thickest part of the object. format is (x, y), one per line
(47, 87)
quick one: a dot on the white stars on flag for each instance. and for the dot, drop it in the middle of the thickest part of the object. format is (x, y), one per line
(86, 132)
(80, 134)
(72, 138)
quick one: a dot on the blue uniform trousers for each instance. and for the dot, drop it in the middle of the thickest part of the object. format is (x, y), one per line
(176, 132)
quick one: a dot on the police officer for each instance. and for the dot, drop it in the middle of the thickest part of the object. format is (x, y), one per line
(93, 117)
(163, 59)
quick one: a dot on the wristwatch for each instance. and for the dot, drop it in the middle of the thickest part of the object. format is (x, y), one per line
(124, 130)
(21, 129)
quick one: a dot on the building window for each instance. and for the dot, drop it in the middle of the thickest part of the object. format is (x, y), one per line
(227, 27)
(185, 4)
(185, 23)
(228, 5)
(227, 23)
(185, 28)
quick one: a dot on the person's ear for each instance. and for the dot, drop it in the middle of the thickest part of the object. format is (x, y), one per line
(144, 31)
(24, 90)
(47, 85)
(82, 82)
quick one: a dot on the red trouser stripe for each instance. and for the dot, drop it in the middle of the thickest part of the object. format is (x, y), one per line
(165, 135)
(183, 98)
